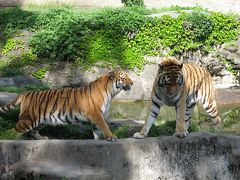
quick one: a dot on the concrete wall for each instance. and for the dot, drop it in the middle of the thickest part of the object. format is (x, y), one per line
(199, 156)
(216, 5)
(222, 5)
(75, 3)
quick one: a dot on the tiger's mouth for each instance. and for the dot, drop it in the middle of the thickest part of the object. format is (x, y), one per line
(171, 90)
(127, 87)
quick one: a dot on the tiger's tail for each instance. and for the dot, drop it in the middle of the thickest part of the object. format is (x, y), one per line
(11, 105)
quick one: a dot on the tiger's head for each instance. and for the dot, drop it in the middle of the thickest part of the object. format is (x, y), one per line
(121, 80)
(170, 76)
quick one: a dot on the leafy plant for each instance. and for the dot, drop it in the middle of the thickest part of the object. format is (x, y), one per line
(10, 71)
(28, 57)
(120, 36)
(230, 117)
(133, 2)
(28, 87)
(168, 128)
(40, 73)
(199, 25)
(121, 132)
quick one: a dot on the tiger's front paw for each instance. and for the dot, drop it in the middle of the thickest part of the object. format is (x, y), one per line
(138, 135)
(112, 138)
(181, 134)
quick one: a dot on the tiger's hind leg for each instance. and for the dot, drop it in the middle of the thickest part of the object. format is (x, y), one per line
(211, 109)
(26, 125)
(34, 135)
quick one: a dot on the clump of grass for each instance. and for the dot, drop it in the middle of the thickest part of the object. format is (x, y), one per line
(167, 128)
(11, 134)
(29, 87)
(121, 132)
(230, 118)
(7, 123)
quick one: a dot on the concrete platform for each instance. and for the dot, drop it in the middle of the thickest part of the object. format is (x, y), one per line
(199, 156)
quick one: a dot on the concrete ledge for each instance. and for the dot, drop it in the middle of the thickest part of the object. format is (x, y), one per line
(199, 156)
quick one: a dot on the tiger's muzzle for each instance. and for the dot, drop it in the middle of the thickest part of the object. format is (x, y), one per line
(127, 87)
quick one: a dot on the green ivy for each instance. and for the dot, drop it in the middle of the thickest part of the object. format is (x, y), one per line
(112, 48)
(225, 29)
(133, 2)
(231, 117)
(12, 44)
(28, 57)
(40, 73)
(188, 32)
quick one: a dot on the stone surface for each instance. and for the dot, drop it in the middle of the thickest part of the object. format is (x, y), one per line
(198, 156)
(223, 5)
(6, 97)
(52, 170)
(19, 81)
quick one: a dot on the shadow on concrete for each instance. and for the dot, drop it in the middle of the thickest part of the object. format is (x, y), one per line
(199, 156)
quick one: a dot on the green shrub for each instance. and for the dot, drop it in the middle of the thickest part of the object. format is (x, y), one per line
(231, 117)
(133, 2)
(167, 128)
(120, 36)
(225, 29)
(16, 19)
(29, 87)
(10, 71)
(121, 132)
(7, 124)
(187, 32)
(199, 25)
(58, 35)
(40, 73)
(66, 35)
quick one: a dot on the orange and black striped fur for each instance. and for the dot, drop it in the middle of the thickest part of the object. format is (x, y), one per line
(70, 105)
(181, 85)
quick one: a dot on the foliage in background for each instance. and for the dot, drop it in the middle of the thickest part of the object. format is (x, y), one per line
(231, 117)
(7, 123)
(29, 87)
(167, 128)
(40, 73)
(120, 36)
(133, 2)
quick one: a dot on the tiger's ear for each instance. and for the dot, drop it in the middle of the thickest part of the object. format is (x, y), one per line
(160, 67)
(111, 74)
(180, 65)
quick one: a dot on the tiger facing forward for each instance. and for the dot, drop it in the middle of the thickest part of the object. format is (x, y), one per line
(70, 105)
(181, 85)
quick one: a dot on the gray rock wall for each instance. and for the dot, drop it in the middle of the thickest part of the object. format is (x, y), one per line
(199, 156)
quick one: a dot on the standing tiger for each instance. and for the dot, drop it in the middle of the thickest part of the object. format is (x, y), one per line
(181, 85)
(70, 105)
